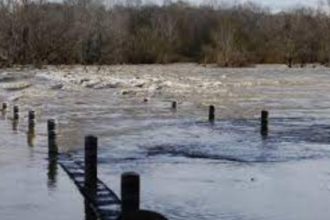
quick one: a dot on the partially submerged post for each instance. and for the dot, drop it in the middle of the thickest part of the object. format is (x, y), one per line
(15, 117)
(130, 193)
(31, 125)
(91, 166)
(31, 118)
(16, 113)
(264, 123)
(52, 145)
(52, 151)
(211, 114)
(174, 106)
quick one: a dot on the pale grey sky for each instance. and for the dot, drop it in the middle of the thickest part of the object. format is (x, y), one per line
(287, 3)
(274, 4)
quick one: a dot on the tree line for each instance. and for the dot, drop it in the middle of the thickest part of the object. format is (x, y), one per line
(89, 32)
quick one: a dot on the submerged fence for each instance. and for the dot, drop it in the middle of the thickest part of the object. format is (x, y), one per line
(100, 201)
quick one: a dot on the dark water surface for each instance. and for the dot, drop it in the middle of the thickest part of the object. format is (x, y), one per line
(189, 168)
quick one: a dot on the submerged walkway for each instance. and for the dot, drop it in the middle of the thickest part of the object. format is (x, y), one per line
(107, 205)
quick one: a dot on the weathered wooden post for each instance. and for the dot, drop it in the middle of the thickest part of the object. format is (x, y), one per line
(91, 166)
(264, 123)
(52, 145)
(211, 114)
(15, 117)
(130, 192)
(174, 106)
(31, 125)
(16, 113)
(31, 118)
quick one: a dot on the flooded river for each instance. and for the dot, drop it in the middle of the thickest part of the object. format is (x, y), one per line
(189, 168)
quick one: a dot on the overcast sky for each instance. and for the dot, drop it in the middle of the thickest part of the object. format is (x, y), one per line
(274, 4)
(287, 3)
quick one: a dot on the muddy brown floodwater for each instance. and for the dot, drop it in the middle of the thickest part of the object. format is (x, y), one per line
(189, 168)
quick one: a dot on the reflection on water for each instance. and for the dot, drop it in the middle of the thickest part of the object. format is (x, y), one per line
(3, 114)
(31, 137)
(14, 124)
(52, 171)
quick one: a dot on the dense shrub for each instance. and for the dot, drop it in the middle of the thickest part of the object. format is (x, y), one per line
(88, 32)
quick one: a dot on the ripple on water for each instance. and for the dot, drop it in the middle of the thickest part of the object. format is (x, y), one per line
(228, 140)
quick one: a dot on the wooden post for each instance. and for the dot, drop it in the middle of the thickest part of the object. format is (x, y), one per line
(31, 119)
(16, 112)
(130, 192)
(91, 166)
(52, 145)
(174, 106)
(211, 114)
(31, 125)
(264, 123)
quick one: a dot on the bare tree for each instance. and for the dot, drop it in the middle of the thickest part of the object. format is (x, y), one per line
(122, 31)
